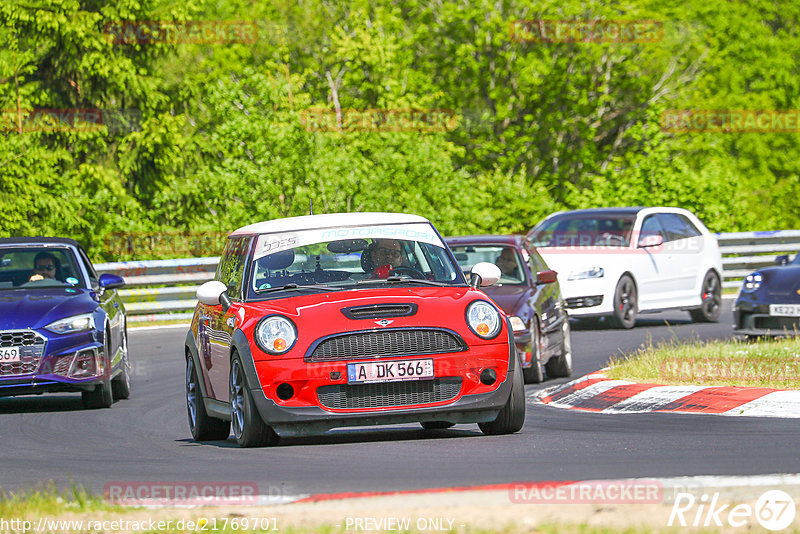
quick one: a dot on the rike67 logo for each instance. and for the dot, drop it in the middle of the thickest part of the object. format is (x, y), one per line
(774, 510)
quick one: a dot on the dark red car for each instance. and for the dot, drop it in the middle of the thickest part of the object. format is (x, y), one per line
(529, 294)
(336, 320)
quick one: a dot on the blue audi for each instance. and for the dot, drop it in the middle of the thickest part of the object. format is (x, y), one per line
(62, 327)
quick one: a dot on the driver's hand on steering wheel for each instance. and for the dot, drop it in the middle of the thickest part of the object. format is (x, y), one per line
(36, 278)
(382, 272)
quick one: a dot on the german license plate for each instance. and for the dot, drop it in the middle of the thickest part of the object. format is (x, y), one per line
(785, 310)
(9, 354)
(389, 371)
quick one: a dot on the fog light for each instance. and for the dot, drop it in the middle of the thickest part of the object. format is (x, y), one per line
(85, 364)
(488, 377)
(284, 391)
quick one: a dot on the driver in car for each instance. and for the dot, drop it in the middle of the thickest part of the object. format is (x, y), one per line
(45, 266)
(507, 262)
(385, 255)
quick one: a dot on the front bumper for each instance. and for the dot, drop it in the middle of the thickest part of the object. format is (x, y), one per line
(48, 371)
(522, 340)
(754, 319)
(475, 403)
(591, 297)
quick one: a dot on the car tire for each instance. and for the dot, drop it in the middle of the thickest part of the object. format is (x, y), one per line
(248, 427)
(121, 384)
(512, 416)
(625, 305)
(711, 295)
(100, 396)
(202, 426)
(535, 373)
(436, 425)
(561, 366)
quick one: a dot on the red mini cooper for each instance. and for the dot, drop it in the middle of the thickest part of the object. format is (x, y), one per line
(326, 321)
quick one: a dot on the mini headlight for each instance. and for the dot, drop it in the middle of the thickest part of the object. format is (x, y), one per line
(752, 282)
(275, 334)
(483, 319)
(75, 323)
(517, 324)
(594, 272)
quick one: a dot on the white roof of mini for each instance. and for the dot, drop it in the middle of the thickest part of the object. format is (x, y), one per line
(328, 220)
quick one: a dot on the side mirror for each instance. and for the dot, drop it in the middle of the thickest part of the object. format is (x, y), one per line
(484, 274)
(214, 293)
(110, 281)
(653, 240)
(546, 277)
(783, 259)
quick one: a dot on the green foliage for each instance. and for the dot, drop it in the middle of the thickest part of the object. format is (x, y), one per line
(217, 135)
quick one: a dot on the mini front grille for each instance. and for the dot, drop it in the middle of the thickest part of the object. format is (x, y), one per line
(379, 343)
(31, 349)
(380, 311)
(388, 394)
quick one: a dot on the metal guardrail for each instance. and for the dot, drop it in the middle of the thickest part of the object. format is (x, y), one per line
(745, 252)
(165, 289)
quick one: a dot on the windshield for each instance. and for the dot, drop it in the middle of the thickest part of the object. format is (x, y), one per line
(36, 267)
(584, 230)
(340, 258)
(505, 257)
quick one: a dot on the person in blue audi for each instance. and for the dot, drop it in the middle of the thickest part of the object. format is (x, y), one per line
(45, 265)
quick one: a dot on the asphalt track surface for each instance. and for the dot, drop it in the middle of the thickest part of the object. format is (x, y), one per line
(146, 438)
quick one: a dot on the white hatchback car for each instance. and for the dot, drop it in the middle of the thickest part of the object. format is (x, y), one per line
(619, 262)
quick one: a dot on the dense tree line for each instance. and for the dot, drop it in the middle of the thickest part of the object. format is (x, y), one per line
(450, 109)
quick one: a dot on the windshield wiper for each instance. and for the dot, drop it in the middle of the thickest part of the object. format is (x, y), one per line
(296, 287)
(402, 280)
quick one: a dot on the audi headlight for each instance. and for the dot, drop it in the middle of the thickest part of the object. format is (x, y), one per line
(75, 323)
(752, 282)
(276, 334)
(483, 319)
(594, 272)
(517, 324)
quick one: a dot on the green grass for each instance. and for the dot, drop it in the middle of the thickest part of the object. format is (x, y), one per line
(763, 363)
(47, 499)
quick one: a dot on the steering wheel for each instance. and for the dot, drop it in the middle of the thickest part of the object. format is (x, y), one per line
(610, 238)
(410, 271)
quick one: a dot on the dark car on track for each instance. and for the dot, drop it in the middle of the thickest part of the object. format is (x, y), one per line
(62, 328)
(768, 303)
(530, 295)
(347, 319)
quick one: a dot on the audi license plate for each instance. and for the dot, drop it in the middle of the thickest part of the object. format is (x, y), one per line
(9, 354)
(360, 373)
(784, 310)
